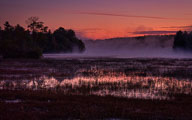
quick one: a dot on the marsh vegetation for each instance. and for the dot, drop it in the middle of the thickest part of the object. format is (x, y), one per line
(72, 88)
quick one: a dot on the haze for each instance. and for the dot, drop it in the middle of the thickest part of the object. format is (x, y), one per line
(141, 47)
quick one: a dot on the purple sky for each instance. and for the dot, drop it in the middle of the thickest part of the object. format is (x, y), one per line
(103, 18)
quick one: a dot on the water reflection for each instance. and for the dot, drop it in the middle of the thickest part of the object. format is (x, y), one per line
(102, 82)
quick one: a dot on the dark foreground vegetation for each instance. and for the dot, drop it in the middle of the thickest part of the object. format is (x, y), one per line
(50, 105)
(171, 77)
(17, 42)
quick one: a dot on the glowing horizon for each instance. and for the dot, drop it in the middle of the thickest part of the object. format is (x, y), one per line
(103, 19)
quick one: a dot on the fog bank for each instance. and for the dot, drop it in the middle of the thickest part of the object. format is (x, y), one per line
(139, 47)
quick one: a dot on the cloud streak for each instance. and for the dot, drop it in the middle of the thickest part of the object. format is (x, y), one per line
(179, 27)
(123, 15)
(153, 32)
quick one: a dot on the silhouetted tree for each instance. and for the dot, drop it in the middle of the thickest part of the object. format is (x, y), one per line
(67, 41)
(16, 42)
(8, 27)
(35, 25)
(1, 32)
(183, 40)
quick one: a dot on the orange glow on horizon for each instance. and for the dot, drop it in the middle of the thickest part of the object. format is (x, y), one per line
(103, 19)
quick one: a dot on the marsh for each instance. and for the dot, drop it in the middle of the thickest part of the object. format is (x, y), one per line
(133, 85)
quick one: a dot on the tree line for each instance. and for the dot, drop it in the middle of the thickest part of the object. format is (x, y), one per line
(183, 41)
(18, 42)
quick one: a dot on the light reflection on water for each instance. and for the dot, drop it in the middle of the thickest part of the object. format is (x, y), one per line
(97, 82)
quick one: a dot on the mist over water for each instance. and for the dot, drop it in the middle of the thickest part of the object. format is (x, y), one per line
(139, 47)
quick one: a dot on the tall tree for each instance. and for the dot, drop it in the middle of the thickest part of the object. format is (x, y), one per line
(35, 25)
(179, 41)
(8, 27)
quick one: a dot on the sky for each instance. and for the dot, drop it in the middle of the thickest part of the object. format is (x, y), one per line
(101, 19)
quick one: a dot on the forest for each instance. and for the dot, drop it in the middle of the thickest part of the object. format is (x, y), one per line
(18, 42)
(183, 41)
(37, 39)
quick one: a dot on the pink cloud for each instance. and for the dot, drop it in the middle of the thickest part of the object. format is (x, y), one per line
(154, 32)
(123, 15)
